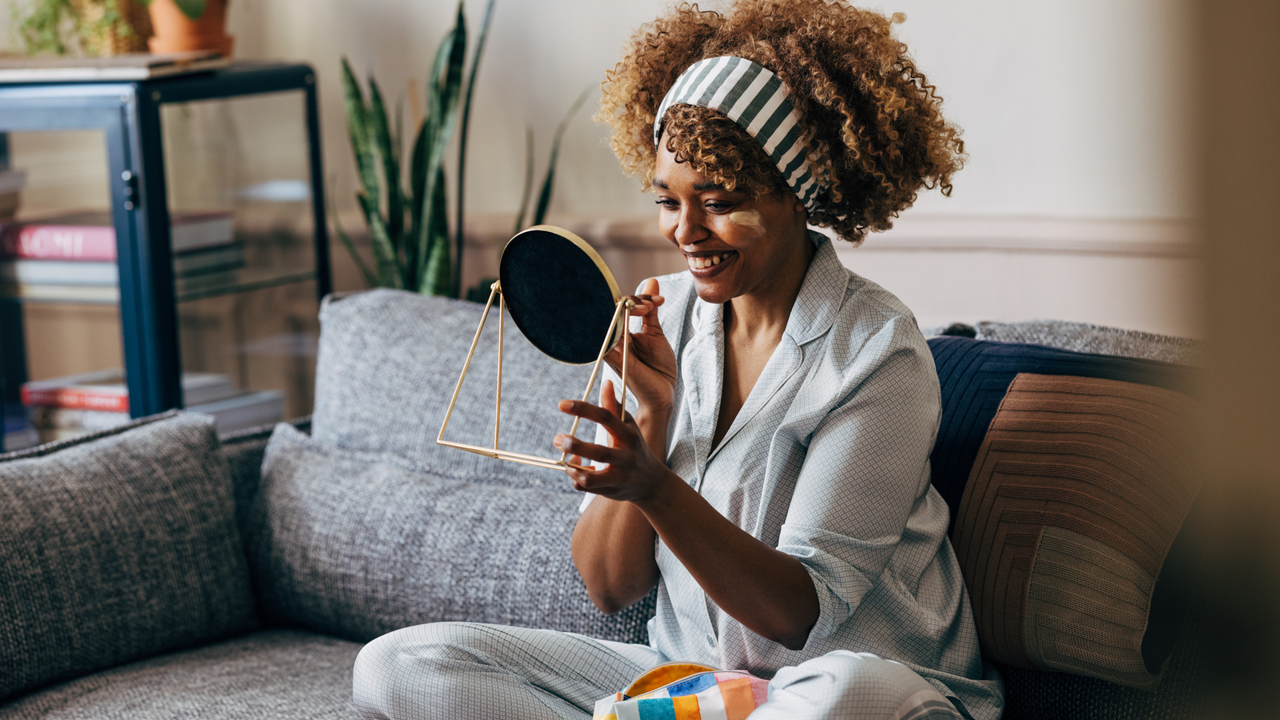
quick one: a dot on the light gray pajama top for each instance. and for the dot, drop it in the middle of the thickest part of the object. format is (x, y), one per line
(828, 461)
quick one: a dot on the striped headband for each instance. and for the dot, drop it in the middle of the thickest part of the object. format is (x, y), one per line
(757, 101)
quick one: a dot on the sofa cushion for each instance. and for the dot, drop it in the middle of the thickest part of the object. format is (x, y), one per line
(277, 674)
(1069, 480)
(244, 450)
(1098, 339)
(1038, 695)
(117, 546)
(1077, 494)
(360, 544)
(388, 364)
(975, 375)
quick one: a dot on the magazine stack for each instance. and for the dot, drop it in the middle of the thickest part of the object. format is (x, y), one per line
(70, 406)
(72, 257)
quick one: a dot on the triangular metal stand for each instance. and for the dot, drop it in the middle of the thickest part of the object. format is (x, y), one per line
(621, 313)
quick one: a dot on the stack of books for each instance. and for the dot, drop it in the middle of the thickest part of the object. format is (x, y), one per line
(72, 258)
(65, 407)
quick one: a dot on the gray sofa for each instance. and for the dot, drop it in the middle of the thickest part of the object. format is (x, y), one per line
(159, 571)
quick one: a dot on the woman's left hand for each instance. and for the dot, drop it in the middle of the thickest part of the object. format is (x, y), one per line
(768, 591)
(634, 473)
(651, 371)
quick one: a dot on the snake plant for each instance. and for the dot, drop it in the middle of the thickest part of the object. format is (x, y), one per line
(548, 180)
(409, 225)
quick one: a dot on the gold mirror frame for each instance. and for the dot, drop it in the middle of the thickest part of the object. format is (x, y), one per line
(621, 313)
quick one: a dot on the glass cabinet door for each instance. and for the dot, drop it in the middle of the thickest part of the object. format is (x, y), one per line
(59, 289)
(237, 177)
(161, 245)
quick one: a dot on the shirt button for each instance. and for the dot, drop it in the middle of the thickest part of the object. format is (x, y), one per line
(711, 640)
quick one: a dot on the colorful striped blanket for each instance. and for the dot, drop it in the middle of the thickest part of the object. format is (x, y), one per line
(685, 691)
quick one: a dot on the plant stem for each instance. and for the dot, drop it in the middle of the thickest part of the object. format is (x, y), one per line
(460, 238)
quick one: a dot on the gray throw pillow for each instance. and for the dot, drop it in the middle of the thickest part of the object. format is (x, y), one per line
(1098, 339)
(388, 364)
(116, 547)
(357, 544)
(244, 450)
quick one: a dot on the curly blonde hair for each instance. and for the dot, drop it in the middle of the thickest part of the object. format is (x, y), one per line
(874, 124)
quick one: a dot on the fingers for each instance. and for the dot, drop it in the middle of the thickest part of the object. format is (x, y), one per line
(609, 401)
(585, 450)
(613, 358)
(649, 325)
(596, 414)
(577, 472)
(609, 398)
(649, 289)
(648, 299)
(645, 305)
(646, 302)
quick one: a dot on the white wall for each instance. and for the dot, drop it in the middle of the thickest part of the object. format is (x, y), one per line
(1072, 110)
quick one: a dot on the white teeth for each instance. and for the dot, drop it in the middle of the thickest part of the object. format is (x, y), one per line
(700, 263)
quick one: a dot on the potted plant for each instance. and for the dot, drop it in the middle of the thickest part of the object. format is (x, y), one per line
(99, 27)
(189, 25)
(408, 222)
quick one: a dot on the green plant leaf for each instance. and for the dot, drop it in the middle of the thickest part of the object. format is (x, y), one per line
(548, 183)
(460, 215)
(370, 279)
(358, 129)
(191, 8)
(41, 27)
(438, 278)
(389, 272)
(443, 90)
(385, 145)
(420, 258)
(421, 170)
(418, 188)
(397, 137)
(481, 291)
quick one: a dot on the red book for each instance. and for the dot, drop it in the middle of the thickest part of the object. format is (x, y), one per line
(70, 237)
(80, 398)
(91, 236)
(106, 390)
(103, 390)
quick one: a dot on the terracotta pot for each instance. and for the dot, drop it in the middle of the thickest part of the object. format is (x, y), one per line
(125, 36)
(175, 32)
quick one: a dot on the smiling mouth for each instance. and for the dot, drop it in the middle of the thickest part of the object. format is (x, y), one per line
(701, 262)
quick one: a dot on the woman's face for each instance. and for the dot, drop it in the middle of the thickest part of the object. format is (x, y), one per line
(735, 243)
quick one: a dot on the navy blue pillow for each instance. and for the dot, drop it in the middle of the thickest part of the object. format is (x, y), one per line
(975, 375)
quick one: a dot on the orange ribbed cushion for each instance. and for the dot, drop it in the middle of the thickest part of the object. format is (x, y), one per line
(1077, 493)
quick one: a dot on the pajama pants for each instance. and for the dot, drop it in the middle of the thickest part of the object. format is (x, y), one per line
(462, 671)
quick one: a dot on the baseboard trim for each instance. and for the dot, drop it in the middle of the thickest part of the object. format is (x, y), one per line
(1119, 237)
(1156, 237)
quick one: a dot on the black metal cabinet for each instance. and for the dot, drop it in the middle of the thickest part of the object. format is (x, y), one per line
(248, 137)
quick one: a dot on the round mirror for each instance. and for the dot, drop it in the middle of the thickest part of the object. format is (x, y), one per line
(559, 293)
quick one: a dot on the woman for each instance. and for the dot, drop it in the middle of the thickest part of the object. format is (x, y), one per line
(772, 476)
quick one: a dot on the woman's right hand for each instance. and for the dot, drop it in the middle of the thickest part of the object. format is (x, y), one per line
(651, 367)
